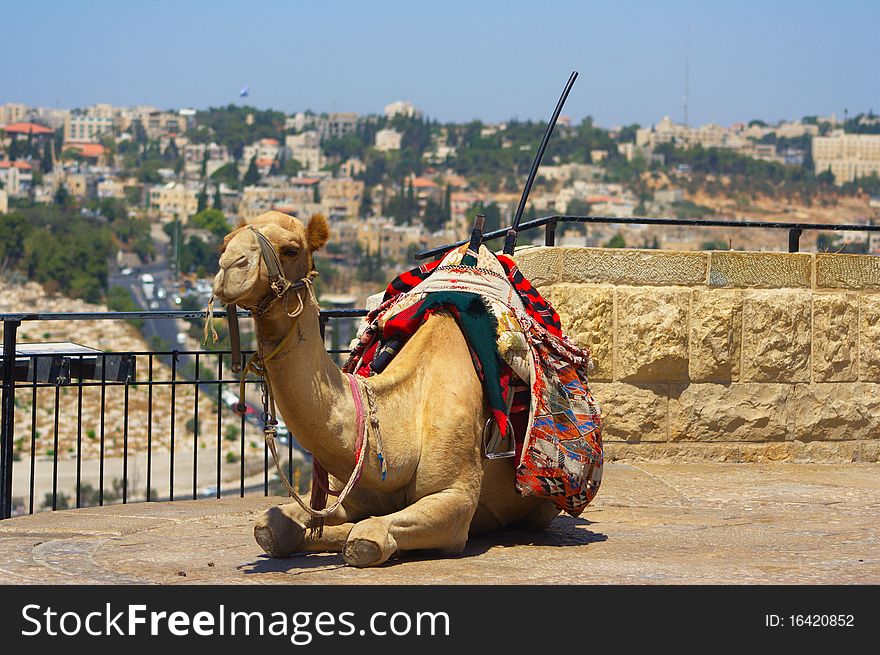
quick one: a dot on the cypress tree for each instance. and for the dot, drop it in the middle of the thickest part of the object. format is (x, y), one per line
(218, 199)
(252, 176)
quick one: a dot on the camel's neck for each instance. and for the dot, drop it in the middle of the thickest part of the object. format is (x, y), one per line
(311, 393)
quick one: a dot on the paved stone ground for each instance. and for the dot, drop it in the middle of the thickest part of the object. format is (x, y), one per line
(652, 523)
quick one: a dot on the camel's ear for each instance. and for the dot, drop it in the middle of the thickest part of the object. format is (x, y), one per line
(317, 232)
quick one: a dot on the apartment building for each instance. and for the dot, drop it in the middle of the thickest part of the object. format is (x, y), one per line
(337, 124)
(85, 128)
(173, 200)
(13, 112)
(341, 196)
(847, 156)
(401, 108)
(305, 148)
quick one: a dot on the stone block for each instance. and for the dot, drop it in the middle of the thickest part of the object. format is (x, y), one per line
(834, 271)
(636, 267)
(716, 335)
(771, 270)
(733, 412)
(540, 265)
(651, 342)
(836, 411)
(587, 316)
(869, 337)
(835, 337)
(632, 413)
(776, 336)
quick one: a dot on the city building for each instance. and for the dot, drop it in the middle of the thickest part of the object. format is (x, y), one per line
(13, 112)
(847, 156)
(388, 139)
(305, 148)
(83, 128)
(337, 124)
(401, 108)
(173, 200)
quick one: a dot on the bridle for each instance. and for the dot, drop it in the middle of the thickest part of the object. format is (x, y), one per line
(280, 289)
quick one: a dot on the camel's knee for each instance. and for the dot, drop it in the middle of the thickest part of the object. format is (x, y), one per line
(369, 543)
(278, 532)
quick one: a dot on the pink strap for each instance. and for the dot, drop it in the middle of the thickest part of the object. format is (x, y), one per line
(359, 412)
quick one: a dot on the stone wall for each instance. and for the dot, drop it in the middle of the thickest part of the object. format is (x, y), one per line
(730, 356)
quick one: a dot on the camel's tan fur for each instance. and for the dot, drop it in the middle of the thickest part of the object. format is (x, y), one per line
(430, 407)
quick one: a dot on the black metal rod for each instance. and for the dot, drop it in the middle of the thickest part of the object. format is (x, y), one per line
(79, 408)
(150, 431)
(55, 451)
(645, 220)
(241, 459)
(103, 413)
(153, 315)
(196, 432)
(794, 239)
(7, 417)
(219, 420)
(33, 444)
(125, 444)
(173, 417)
(510, 243)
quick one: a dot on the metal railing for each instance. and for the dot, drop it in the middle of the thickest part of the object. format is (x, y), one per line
(550, 223)
(149, 384)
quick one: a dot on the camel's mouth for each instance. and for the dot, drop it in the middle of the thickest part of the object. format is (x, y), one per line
(238, 274)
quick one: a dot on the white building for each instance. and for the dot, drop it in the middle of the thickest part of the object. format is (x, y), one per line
(847, 156)
(82, 128)
(388, 139)
(401, 108)
(305, 148)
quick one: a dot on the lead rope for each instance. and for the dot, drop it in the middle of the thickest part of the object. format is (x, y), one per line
(257, 365)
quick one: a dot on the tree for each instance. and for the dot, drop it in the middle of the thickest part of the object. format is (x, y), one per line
(62, 196)
(227, 174)
(202, 199)
(212, 220)
(46, 163)
(617, 241)
(366, 203)
(252, 175)
(218, 199)
(434, 218)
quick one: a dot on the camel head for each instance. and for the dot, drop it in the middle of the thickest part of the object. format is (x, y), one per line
(243, 277)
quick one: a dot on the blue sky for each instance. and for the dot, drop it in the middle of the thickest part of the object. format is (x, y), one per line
(455, 60)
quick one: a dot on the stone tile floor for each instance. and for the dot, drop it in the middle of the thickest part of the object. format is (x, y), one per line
(651, 523)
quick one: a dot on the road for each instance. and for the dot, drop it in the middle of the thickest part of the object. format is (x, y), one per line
(165, 329)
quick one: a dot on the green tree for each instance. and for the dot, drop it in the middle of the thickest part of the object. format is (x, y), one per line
(617, 241)
(212, 220)
(252, 175)
(46, 163)
(228, 175)
(202, 199)
(218, 199)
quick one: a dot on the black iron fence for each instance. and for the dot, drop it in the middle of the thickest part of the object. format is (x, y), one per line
(550, 224)
(83, 427)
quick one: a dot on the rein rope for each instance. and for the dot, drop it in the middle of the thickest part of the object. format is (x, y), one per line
(257, 364)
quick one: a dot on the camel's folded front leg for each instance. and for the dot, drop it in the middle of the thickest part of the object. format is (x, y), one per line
(281, 531)
(437, 521)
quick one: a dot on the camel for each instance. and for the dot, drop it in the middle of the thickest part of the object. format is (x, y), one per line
(429, 402)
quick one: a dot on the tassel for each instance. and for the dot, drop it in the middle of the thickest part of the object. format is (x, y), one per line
(318, 500)
(209, 323)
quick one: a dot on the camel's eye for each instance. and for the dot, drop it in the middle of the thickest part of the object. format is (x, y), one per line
(289, 251)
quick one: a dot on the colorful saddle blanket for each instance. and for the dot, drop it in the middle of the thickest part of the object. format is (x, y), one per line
(518, 350)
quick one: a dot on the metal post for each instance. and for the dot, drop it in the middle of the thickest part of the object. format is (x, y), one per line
(550, 234)
(7, 420)
(794, 239)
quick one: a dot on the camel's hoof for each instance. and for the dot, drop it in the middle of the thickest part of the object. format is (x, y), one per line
(362, 552)
(278, 534)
